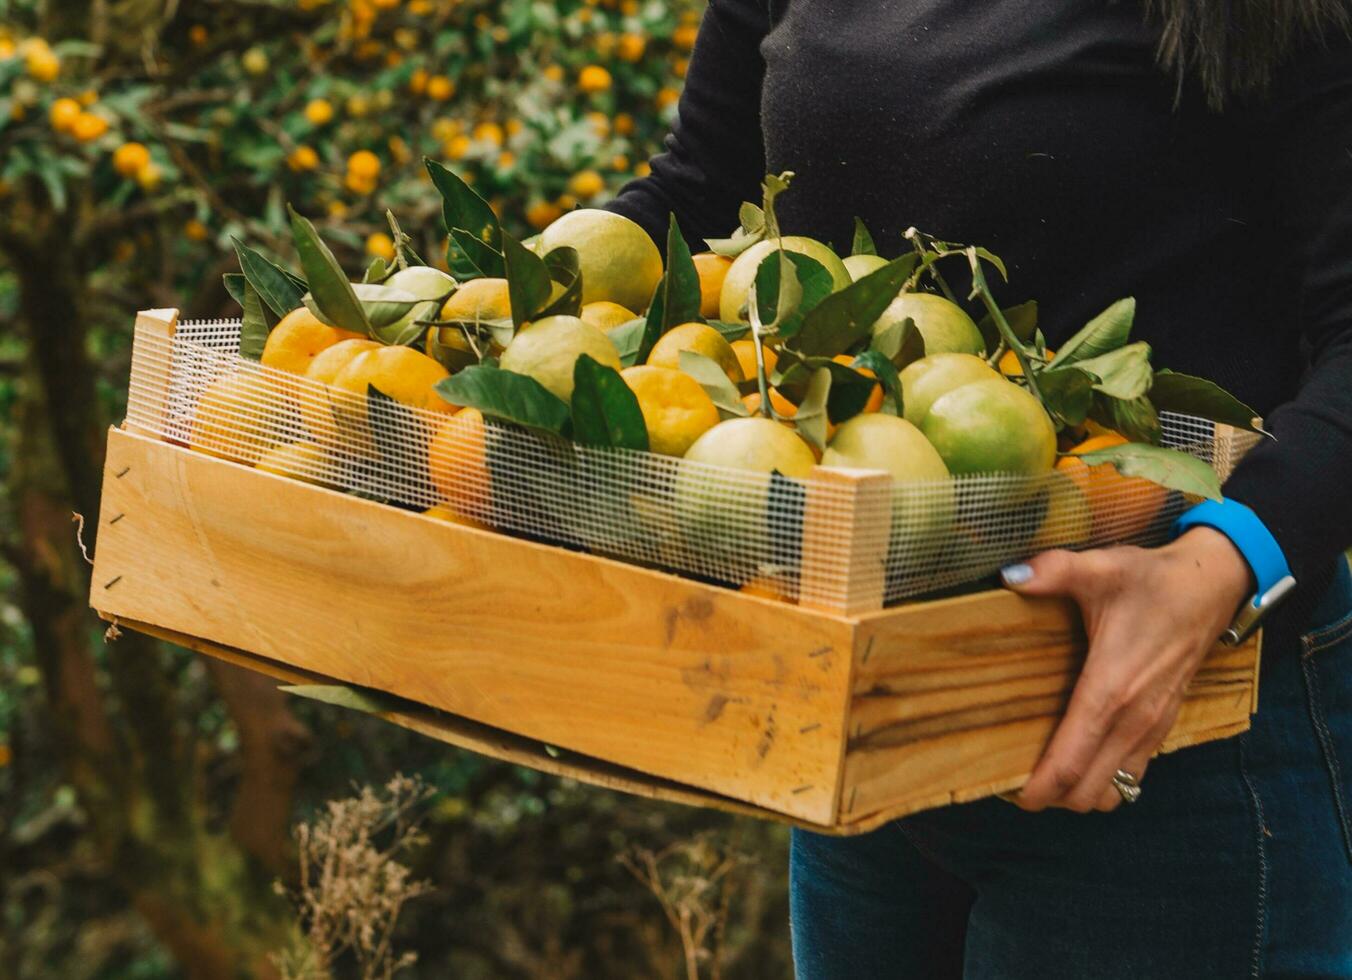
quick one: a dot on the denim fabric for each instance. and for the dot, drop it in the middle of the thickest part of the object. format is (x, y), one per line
(1236, 862)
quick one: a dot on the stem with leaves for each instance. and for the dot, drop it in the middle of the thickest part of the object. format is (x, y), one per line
(916, 239)
(1007, 336)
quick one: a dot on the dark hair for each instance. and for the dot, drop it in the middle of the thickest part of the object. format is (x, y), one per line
(1232, 47)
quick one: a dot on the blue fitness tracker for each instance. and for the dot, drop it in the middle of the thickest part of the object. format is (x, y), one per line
(1259, 548)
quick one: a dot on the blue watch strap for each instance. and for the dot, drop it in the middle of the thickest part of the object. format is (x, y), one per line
(1253, 540)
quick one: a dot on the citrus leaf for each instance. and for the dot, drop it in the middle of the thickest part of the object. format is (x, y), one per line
(1123, 373)
(1067, 393)
(901, 342)
(234, 285)
(844, 318)
(863, 241)
(375, 271)
(731, 331)
(811, 420)
(563, 268)
(605, 409)
(253, 331)
(1167, 467)
(1187, 395)
(680, 283)
(462, 208)
(344, 696)
(1136, 419)
(816, 284)
(1022, 319)
(716, 384)
(1106, 332)
(333, 295)
(479, 258)
(771, 187)
(527, 280)
(777, 291)
(849, 392)
(274, 285)
(748, 233)
(888, 377)
(507, 396)
(652, 323)
(628, 338)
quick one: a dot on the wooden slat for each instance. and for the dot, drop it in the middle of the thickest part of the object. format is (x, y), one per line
(700, 685)
(845, 531)
(150, 361)
(956, 699)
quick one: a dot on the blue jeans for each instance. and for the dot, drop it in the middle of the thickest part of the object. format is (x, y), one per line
(1236, 862)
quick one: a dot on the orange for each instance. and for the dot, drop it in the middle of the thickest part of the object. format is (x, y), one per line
(401, 373)
(237, 417)
(298, 339)
(701, 339)
(302, 158)
(745, 350)
(458, 463)
(781, 405)
(88, 127)
(364, 164)
(1122, 506)
(318, 111)
(380, 245)
(1009, 363)
(605, 315)
(676, 410)
(768, 586)
(875, 397)
(712, 269)
(541, 214)
(630, 47)
(586, 184)
(440, 88)
(63, 114)
(593, 79)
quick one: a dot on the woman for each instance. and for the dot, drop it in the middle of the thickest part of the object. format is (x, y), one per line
(1196, 154)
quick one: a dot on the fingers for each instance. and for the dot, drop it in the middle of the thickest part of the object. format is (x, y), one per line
(1079, 575)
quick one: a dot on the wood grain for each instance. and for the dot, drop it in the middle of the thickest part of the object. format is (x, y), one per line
(846, 520)
(149, 362)
(955, 699)
(730, 693)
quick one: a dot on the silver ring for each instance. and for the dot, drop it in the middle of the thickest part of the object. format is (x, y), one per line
(1127, 786)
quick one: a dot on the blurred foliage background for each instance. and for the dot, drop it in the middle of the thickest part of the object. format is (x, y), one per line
(148, 797)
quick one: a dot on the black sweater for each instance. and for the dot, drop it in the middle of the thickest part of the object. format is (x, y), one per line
(1045, 130)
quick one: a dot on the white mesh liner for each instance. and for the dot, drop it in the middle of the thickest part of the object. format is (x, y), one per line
(728, 526)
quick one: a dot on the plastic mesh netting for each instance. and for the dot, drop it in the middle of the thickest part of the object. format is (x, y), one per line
(830, 540)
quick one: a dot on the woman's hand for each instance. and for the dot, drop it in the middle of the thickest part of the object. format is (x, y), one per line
(1150, 616)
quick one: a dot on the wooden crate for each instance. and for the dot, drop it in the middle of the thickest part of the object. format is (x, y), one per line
(836, 718)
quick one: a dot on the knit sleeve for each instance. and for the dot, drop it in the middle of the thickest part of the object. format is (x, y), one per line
(714, 156)
(1301, 483)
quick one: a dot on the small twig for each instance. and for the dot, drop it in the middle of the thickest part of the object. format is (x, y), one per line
(78, 519)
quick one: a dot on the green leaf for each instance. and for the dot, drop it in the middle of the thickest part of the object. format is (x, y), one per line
(507, 396)
(1167, 467)
(605, 410)
(481, 259)
(771, 187)
(1106, 332)
(333, 294)
(811, 420)
(715, 382)
(1187, 395)
(253, 335)
(777, 291)
(628, 339)
(1022, 319)
(235, 284)
(1123, 373)
(375, 271)
(680, 283)
(343, 696)
(887, 375)
(275, 286)
(901, 342)
(844, 318)
(562, 265)
(653, 323)
(816, 284)
(849, 392)
(863, 241)
(462, 208)
(751, 231)
(527, 280)
(731, 331)
(1136, 419)
(1067, 393)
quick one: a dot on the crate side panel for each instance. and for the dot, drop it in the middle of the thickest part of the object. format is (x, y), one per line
(954, 700)
(693, 683)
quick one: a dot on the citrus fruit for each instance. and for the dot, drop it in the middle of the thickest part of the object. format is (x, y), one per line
(238, 417)
(400, 373)
(991, 426)
(1010, 366)
(617, 259)
(781, 405)
(325, 365)
(861, 265)
(593, 79)
(746, 357)
(676, 410)
(605, 315)
(768, 585)
(318, 112)
(298, 339)
(759, 445)
(457, 462)
(547, 350)
(303, 461)
(1122, 506)
(1067, 520)
(742, 273)
(479, 299)
(315, 405)
(931, 377)
(712, 270)
(943, 324)
(701, 339)
(63, 113)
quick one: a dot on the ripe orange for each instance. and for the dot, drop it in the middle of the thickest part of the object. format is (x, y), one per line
(1009, 363)
(676, 410)
(586, 184)
(303, 158)
(745, 350)
(88, 127)
(712, 269)
(364, 164)
(440, 88)
(63, 114)
(875, 397)
(701, 339)
(380, 245)
(593, 79)
(1122, 506)
(781, 405)
(319, 112)
(298, 339)
(458, 463)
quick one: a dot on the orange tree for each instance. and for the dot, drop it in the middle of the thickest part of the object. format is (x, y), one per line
(138, 139)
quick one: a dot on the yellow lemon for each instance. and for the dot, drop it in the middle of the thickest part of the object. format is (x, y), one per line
(605, 315)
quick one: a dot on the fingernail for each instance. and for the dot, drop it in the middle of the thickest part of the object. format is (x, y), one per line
(1017, 574)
